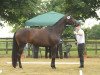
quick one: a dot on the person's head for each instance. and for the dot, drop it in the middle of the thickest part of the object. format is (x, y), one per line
(78, 26)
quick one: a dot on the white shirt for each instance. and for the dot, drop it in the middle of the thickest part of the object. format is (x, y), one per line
(80, 36)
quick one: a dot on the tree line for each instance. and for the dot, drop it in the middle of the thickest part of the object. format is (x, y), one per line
(16, 12)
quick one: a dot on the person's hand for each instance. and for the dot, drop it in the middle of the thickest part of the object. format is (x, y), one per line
(75, 43)
(75, 32)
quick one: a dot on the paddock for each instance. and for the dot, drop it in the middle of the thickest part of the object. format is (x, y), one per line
(92, 67)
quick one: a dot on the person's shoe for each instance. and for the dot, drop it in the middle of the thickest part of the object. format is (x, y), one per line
(81, 66)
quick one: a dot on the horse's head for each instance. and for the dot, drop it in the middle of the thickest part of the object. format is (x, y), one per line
(70, 20)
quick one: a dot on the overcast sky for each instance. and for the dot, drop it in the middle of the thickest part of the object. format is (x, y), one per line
(90, 22)
(6, 31)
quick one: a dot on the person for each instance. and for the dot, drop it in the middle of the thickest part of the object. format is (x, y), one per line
(80, 39)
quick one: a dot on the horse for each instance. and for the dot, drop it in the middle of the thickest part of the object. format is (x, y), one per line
(44, 37)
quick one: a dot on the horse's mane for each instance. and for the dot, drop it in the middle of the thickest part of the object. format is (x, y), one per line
(57, 23)
(60, 20)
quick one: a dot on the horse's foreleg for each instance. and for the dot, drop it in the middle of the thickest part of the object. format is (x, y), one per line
(53, 51)
(53, 63)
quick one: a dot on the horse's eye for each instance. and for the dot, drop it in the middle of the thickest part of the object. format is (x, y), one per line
(68, 17)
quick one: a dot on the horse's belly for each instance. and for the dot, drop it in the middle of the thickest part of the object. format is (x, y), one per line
(44, 39)
(40, 42)
(45, 42)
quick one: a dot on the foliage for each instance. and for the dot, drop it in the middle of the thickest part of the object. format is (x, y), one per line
(68, 33)
(94, 32)
(80, 9)
(16, 12)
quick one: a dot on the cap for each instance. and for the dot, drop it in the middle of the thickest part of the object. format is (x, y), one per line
(78, 23)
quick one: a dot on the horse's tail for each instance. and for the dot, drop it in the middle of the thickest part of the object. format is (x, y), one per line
(14, 52)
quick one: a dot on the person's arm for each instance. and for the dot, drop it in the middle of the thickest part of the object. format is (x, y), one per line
(80, 32)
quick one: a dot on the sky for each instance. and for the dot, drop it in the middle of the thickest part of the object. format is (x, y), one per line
(98, 13)
(6, 30)
(90, 22)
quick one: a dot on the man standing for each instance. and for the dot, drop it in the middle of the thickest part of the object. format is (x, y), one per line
(80, 38)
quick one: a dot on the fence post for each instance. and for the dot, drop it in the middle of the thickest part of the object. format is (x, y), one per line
(96, 47)
(85, 51)
(28, 50)
(6, 47)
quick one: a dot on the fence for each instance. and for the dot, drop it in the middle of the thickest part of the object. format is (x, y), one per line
(91, 45)
(5, 44)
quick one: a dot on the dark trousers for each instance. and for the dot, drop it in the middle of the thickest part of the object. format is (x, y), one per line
(81, 48)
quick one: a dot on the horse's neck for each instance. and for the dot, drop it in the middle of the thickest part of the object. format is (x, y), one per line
(59, 27)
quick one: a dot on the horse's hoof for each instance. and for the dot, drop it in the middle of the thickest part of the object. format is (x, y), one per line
(14, 66)
(20, 67)
(53, 67)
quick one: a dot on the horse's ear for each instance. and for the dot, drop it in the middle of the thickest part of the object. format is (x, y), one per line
(68, 17)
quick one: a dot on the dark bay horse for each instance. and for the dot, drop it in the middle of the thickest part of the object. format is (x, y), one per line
(49, 36)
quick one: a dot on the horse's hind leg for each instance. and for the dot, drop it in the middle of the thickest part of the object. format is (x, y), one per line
(19, 58)
(21, 48)
(53, 53)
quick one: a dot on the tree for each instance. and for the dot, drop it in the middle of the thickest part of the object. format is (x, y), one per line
(80, 9)
(11, 10)
(18, 11)
(68, 32)
(94, 32)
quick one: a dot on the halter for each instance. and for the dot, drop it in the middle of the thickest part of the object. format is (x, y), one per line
(68, 17)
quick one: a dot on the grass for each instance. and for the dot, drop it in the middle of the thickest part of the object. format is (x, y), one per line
(92, 67)
(74, 53)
